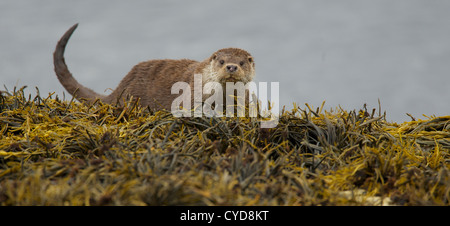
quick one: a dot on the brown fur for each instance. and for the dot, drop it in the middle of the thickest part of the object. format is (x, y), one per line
(151, 81)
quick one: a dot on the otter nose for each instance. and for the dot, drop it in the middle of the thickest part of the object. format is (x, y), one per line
(231, 68)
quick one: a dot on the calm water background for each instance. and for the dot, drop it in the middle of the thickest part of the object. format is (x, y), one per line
(347, 52)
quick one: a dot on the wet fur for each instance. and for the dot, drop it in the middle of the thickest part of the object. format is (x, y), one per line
(151, 81)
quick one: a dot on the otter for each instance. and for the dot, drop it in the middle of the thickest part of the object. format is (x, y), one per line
(151, 81)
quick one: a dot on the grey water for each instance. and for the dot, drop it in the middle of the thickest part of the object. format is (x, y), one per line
(345, 52)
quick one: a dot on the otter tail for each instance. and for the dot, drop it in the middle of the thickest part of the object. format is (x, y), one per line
(65, 77)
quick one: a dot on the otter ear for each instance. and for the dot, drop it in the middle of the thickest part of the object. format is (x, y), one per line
(214, 57)
(250, 60)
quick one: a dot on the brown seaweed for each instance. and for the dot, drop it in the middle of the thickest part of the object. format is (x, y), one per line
(56, 152)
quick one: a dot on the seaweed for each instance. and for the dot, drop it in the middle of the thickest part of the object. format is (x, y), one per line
(59, 152)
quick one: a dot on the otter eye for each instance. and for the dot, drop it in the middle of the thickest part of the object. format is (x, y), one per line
(221, 61)
(242, 63)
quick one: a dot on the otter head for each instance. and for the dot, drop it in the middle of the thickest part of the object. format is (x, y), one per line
(232, 65)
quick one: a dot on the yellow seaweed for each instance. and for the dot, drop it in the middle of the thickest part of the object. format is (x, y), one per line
(55, 152)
